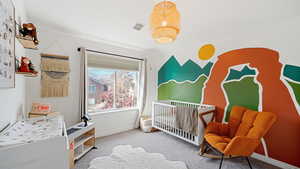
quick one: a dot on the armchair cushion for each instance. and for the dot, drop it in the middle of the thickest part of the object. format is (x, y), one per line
(262, 124)
(247, 123)
(235, 119)
(218, 142)
(217, 128)
(241, 146)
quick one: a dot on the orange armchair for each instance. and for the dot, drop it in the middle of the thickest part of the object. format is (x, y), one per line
(240, 136)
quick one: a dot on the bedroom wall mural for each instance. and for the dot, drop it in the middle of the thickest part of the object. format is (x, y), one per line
(251, 77)
(178, 82)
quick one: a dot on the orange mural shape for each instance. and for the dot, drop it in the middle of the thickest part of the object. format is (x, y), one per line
(283, 139)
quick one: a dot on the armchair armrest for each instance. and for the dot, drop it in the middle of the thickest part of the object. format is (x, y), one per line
(201, 116)
(241, 146)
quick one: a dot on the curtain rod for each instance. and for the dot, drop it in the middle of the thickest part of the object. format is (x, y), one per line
(113, 54)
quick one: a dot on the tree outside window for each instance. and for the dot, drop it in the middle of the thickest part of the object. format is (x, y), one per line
(111, 89)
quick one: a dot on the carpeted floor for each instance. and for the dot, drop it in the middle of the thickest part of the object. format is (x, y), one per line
(172, 147)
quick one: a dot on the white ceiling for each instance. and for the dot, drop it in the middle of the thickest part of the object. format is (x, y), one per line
(113, 20)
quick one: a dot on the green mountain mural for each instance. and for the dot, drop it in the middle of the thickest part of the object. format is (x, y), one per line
(235, 74)
(292, 72)
(296, 89)
(186, 91)
(172, 70)
(244, 93)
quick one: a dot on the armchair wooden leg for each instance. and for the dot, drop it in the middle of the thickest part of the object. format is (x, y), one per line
(222, 158)
(202, 148)
(249, 162)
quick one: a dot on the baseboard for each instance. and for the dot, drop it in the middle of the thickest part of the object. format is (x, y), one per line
(273, 161)
(105, 133)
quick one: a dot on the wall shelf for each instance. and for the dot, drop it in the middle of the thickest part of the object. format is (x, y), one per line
(27, 74)
(27, 42)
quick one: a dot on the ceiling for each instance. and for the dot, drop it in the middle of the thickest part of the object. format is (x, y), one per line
(113, 20)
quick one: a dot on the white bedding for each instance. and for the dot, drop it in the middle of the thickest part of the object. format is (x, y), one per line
(33, 130)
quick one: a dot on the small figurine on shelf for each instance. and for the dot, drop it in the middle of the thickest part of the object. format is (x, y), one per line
(29, 30)
(31, 68)
(17, 64)
(26, 66)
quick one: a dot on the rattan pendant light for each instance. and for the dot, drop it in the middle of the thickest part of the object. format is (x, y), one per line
(165, 22)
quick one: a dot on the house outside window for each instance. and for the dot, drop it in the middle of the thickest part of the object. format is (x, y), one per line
(111, 89)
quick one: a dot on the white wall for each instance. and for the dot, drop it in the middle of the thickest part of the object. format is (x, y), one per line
(13, 100)
(114, 122)
(154, 60)
(280, 35)
(57, 42)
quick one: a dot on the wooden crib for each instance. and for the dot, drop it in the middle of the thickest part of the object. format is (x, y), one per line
(166, 117)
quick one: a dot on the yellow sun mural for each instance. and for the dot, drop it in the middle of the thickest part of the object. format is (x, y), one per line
(206, 52)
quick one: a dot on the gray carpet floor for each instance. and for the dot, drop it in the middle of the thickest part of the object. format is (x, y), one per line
(173, 148)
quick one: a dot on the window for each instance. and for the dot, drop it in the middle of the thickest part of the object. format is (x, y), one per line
(111, 89)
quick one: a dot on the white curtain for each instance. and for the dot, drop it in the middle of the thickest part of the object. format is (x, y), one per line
(83, 82)
(142, 90)
(111, 62)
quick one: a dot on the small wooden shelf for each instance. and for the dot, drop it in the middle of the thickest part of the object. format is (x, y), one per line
(86, 149)
(82, 139)
(27, 74)
(27, 42)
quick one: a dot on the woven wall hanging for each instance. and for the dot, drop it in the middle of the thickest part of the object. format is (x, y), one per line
(55, 71)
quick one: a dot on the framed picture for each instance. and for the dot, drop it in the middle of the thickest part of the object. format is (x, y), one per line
(7, 44)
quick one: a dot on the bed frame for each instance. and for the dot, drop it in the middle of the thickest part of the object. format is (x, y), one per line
(164, 119)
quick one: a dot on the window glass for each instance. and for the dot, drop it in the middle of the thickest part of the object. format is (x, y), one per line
(101, 89)
(126, 89)
(111, 89)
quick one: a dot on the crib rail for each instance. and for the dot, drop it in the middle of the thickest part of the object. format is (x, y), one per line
(164, 118)
(162, 115)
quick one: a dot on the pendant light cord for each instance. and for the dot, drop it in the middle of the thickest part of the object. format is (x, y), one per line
(164, 12)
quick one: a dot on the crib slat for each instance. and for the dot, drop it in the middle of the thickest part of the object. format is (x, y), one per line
(164, 117)
(169, 120)
(174, 121)
(167, 117)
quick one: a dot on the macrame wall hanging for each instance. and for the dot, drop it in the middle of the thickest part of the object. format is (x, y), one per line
(55, 75)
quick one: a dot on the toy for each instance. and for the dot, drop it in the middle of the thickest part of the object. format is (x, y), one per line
(85, 119)
(41, 108)
(31, 67)
(29, 30)
(26, 66)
